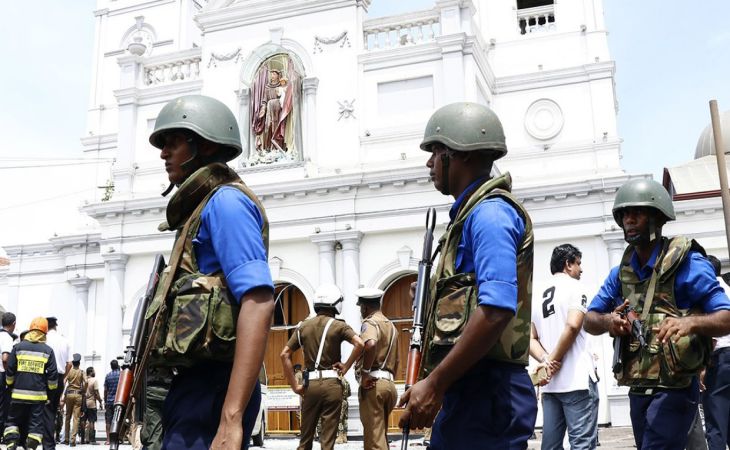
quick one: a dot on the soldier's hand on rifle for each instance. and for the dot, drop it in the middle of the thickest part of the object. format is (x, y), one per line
(674, 326)
(423, 402)
(618, 325)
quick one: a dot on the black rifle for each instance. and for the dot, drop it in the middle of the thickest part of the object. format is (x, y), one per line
(635, 325)
(130, 374)
(419, 301)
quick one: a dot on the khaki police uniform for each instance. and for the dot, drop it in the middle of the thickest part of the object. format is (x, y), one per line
(323, 396)
(75, 384)
(377, 403)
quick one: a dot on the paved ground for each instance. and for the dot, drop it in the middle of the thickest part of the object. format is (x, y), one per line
(610, 438)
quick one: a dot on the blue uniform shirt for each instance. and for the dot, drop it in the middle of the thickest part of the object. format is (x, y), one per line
(694, 285)
(488, 247)
(229, 239)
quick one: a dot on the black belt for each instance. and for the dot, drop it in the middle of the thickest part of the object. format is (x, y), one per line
(72, 391)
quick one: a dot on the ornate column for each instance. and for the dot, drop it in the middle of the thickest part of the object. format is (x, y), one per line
(130, 68)
(78, 334)
(244, 119)
(114, 268)
(326, 246)
(309, 118)
(615, 244)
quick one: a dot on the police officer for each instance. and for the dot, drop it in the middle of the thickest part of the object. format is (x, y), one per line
(672, 288)
(319, 337)
(221, 277)
(75, 385)
(376, 369)
(477, 326)
(31, 373)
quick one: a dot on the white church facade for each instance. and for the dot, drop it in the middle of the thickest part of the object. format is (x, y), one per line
(336, 163)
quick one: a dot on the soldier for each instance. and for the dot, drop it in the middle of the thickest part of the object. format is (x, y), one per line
(319, 337)
(477, 325)
(221, 278)
(375, 370)
(678, 303)
(31, 373)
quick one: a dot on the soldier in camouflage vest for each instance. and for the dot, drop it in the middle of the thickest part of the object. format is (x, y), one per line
(216, 296)
(477, 325)
(678, 303)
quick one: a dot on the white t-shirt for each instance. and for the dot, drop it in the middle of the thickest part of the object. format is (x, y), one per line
(723, 341)
(550, 307)
(6, 345)
(61, 349)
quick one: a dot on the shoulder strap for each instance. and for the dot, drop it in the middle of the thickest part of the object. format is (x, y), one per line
(390, 346)
(321, 343)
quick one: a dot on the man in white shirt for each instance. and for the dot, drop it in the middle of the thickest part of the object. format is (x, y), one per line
(568, 400)
(716, 399)
(7, 340)
(62, 351)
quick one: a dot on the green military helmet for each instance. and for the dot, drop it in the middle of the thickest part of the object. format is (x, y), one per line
(642, 192)
(207, 117)
(465, 127)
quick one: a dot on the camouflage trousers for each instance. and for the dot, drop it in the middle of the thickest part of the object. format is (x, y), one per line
(342, 425)
(156, 387)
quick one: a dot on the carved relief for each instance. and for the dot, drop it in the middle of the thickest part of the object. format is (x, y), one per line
(341, 38)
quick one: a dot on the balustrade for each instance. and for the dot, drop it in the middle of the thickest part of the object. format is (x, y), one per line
(174, 67)
(540, 19)
(398, 31)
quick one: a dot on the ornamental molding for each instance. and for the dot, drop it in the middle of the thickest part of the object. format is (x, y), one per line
(346, 109)
(215, 58)
(341, 38)
(551, 78)
(544, 119)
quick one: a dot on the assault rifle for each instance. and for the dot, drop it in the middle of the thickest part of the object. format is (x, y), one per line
(419, 301)
(132, 360)
(635, 325)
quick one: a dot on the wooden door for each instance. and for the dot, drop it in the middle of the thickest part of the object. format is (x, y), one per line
(290, 309)
(397, 306)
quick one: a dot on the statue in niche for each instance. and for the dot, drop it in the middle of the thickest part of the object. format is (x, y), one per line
(276, 93)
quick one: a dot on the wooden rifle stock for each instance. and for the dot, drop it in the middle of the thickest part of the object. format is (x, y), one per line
(132, 366)
(419, 302)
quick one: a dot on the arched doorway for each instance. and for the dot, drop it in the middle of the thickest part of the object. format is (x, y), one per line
(397, 306)
(290, 309)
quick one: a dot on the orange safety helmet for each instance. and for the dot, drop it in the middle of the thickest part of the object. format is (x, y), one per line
(40, 324)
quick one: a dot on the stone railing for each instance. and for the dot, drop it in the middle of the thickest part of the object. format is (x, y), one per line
(540, 19)
(397, 31)
(172, 67)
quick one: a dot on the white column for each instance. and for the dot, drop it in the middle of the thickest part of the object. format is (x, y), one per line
(78, 333)
(130, 68)
(615, 244)
(326, 246)
(309, 118)
(244, 120)
(114, 268)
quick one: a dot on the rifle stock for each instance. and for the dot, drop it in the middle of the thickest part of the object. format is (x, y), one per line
(131, 364)
(419, 302)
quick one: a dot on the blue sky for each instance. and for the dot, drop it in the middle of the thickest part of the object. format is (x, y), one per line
(671, 57)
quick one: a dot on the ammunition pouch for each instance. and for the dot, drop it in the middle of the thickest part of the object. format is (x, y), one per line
(200, 324)
(456, 299)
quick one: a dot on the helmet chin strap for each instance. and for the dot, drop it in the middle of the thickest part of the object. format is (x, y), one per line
(445, 160)
(189, 164)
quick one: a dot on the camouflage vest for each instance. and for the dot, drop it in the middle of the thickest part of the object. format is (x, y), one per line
(672, 364)
(454, 296)
(200, 315)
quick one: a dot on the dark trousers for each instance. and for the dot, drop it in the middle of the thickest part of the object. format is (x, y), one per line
(716, 400)
(5, 392)
(493, 408)
(193, 407)
(24, 416)
(661, 420)
(50, 410)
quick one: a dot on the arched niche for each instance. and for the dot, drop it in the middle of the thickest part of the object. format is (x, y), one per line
(277, 104)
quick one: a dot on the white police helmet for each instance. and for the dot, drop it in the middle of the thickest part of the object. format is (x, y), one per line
(328, 296)
(369, 295)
